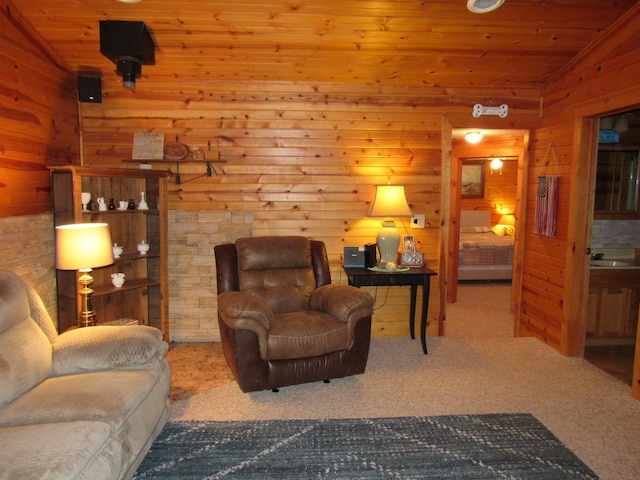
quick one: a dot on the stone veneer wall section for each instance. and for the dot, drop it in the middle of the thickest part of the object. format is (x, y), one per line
(27, 248)
(193, 303)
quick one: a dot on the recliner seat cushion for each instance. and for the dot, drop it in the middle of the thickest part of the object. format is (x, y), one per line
(305, 334)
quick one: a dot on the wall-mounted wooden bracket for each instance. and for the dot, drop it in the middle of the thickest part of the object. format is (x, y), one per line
(209, 172)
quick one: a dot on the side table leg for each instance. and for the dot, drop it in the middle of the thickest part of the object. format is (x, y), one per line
(425, 308)
(412, 311)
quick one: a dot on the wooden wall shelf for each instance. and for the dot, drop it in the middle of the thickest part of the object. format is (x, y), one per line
(209, 172)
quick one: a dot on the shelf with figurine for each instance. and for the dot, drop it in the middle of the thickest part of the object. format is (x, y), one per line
(134, 205)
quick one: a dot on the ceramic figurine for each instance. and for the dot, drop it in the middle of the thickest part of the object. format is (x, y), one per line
(117, 250)
(143, 247)
(102, 206)
(117, 279)
(85, 199)
(143, 204)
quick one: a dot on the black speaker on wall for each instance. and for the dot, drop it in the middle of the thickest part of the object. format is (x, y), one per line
(89, 89)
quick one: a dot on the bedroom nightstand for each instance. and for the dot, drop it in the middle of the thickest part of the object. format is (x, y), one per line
(363, 277)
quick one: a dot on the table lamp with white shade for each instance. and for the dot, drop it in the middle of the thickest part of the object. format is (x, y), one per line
(82, 247)
(389, 201)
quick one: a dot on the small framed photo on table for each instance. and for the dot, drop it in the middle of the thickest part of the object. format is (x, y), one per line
(409, 257)
(409, 243)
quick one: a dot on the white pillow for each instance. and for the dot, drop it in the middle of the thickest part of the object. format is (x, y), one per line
(478, 229)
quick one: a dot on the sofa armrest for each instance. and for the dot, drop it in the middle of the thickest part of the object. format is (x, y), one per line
(107, 347)
(344, 302)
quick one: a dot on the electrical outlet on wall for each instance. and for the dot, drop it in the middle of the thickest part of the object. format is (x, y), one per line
(417, 221)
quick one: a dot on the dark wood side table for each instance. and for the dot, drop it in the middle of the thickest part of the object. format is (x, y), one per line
(363, 277)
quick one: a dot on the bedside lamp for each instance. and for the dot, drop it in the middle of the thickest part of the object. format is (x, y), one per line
(81, 247)
(389, 201)
(507, 222)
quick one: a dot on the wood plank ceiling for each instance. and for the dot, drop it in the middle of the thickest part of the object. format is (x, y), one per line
(401, 42)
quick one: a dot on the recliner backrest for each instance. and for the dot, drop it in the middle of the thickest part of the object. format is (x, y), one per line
(278, 270)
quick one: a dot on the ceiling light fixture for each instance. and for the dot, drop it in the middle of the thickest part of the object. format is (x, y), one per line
(483, 6)
(473, 137)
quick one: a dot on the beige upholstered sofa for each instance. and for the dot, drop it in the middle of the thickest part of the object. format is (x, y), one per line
(86, 404)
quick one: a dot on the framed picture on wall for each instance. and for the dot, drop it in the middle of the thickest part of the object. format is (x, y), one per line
(472, 179)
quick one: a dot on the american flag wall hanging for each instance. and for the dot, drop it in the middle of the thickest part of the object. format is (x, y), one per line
(547, 206)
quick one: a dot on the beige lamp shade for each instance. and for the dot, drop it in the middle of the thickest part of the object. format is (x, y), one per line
(390, 201)
(507, 220)
(83, 246)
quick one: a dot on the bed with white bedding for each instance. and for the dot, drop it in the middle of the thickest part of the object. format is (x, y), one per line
(482, 254)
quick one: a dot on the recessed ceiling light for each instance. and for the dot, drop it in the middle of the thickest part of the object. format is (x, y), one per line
(129, 1)
(484, 6)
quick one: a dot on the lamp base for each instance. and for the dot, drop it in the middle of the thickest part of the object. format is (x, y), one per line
(388, 240)
(507, 231)
(86, 316)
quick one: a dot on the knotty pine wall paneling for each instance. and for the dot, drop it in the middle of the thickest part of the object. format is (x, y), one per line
(38, 117)
(302, 158)
(601, 80)
(38, 127)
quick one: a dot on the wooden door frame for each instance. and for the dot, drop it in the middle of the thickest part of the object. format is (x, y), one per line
(452, 197)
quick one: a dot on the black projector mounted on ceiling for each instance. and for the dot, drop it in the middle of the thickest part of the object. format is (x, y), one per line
(129, 45)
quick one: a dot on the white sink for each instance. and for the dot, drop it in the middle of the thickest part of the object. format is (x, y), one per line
(610, 263)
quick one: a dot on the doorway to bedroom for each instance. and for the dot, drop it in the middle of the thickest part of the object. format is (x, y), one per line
(484, 198)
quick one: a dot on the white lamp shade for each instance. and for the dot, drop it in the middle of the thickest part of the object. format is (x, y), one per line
(83, 246)
(390, 201)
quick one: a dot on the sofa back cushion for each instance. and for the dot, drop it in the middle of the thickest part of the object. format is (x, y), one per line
(278, 270)
(25, 350)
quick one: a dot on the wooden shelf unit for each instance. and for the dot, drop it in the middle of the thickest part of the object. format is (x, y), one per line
(144, 295)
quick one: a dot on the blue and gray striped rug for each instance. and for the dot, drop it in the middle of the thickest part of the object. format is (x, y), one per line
(512, 446)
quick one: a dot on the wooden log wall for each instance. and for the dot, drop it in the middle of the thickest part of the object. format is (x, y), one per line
(303, 158)
(38, 117)
(602, 80)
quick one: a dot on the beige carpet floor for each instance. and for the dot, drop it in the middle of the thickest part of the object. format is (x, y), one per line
(482, 372)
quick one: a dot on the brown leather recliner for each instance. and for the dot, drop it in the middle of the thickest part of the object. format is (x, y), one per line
(281, 320)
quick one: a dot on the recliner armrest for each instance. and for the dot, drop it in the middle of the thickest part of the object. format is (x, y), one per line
(107, 347)
(240, 310)
(344, 302)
